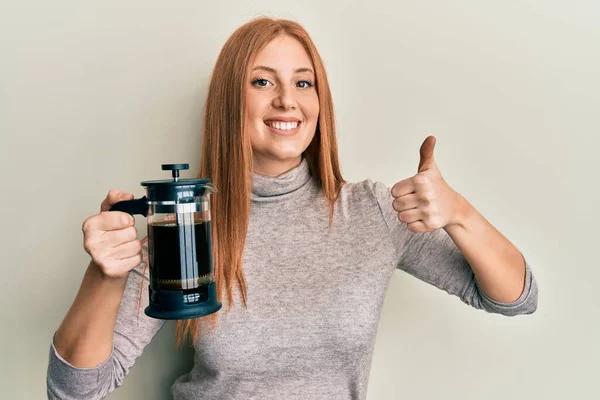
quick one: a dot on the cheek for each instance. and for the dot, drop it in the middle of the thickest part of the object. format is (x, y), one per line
(311, 109)
(255, 110)
(252, 107)
(257, 105)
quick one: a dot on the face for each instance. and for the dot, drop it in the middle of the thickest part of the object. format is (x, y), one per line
(282, 106)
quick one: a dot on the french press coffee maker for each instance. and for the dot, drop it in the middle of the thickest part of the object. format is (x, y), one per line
(179, 245)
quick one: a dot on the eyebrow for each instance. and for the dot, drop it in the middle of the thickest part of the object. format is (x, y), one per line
(297, 70)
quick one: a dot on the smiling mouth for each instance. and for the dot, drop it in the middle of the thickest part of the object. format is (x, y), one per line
(283, 126)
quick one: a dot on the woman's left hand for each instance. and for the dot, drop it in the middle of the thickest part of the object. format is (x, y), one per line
(425, 202)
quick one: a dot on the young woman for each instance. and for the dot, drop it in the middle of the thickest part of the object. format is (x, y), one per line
(302, 258)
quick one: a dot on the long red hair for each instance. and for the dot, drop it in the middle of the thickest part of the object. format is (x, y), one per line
(227, 153)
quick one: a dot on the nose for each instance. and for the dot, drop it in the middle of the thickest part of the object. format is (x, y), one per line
(285, 99)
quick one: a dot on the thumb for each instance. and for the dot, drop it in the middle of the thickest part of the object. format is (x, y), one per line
(426, 160)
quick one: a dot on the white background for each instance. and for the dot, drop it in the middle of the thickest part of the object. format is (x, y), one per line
(96, 95)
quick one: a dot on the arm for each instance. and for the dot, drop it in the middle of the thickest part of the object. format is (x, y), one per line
(105, 330)
(426, 203)
(499, 267)
(435, 258)
(85, 337)
(98, 343)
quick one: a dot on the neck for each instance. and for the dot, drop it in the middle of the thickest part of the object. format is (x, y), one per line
(283, 187)
(274, 168)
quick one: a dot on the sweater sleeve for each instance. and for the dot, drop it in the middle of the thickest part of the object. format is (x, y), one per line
(433, 257)
(133, 331)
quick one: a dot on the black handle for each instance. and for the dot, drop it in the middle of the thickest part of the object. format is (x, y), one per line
(135, 206)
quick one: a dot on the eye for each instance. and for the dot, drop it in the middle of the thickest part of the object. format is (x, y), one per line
(304, 84)
(260, 82)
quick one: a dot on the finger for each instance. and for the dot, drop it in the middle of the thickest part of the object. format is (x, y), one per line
(107, 221)
(410, 216)
(406, 202)
(126, 250)
(113, 197)
(417, 227)
(131, 262)
(123, 266)
(403, 187)
(121, 236)
(426, 158)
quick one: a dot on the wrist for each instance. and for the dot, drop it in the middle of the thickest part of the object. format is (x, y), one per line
(464, 212)
(100, 278)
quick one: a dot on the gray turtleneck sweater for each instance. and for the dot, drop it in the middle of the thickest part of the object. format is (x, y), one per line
(314, 300)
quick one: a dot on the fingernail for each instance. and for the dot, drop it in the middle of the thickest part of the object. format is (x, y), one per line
(127, 219)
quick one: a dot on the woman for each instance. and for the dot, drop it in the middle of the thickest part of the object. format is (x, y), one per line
(306, 255)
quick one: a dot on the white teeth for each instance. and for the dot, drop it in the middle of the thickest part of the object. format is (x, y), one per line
(283, 126)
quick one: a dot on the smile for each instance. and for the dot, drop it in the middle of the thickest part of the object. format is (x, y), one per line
(283, 126)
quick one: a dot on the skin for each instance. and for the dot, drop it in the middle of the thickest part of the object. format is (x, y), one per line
(85, 336)
(425, 202)
(280, 90)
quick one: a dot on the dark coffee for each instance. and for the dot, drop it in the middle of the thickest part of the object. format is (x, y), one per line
(180, 255)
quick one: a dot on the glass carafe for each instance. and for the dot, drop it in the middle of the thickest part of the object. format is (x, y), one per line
(179, 245)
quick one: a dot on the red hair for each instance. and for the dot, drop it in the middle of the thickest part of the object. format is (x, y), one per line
(227, 152)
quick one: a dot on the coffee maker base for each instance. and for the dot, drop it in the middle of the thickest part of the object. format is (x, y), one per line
(192, 311)
(170, 304)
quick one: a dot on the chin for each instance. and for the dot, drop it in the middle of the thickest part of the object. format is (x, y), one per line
(286, 156)
(278, 152)
(269, 158)
(280, 148)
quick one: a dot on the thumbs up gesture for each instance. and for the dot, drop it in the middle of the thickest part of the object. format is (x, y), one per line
(425, 202)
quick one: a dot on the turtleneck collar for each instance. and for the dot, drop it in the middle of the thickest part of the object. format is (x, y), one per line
(285, 186)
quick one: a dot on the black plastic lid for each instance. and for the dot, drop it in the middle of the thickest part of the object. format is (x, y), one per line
(176, 188)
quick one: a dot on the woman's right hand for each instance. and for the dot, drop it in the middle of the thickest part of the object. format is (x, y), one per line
(110, 238)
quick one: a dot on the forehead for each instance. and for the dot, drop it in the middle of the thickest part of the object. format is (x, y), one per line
(283, 53)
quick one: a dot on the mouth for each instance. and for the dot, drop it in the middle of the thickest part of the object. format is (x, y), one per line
(283, 127)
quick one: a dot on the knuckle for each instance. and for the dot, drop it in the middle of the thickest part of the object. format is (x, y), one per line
(112, 197)
(92, 247)
(420, 180)
(88, 224)
(113, 193)
(88, 247)
(111, 219)
(132, 232)
(104, 220)
(133, 262)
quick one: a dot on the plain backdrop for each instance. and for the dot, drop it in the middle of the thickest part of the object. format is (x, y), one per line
(97, 95)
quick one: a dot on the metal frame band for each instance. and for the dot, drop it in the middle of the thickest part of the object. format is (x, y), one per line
(178, 208)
